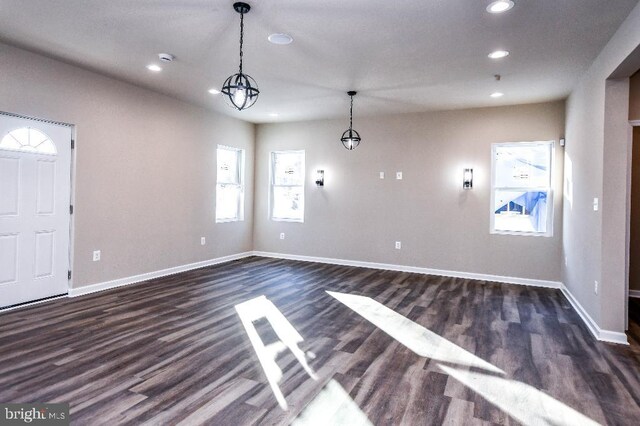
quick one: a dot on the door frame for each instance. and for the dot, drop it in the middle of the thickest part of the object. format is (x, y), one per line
(633, 124)
(72, 197)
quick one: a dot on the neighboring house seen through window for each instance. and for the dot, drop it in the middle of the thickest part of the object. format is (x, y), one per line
(522, 198)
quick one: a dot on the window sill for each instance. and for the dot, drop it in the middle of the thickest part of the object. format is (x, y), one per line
(277, 219)
(228, 220)
(522, 234)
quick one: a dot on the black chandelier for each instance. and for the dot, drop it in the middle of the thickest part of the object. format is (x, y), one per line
(350, 138)
(241, 90)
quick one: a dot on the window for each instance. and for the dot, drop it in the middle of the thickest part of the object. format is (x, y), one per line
(28, 139)
(230, 187)
(287, 186)
(521, 196)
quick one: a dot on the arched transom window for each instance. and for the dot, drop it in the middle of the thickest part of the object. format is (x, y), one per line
(28, 139)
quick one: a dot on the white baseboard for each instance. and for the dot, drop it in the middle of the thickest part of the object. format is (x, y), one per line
(414, 269)
(75, 292)
(596, 331)
(80, 291)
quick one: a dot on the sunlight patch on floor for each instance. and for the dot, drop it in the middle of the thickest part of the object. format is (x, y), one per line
(523, 402)
(414, 336)
(262, 308)
(332, 406)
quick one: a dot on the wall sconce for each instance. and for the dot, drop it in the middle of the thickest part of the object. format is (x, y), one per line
(467, 179)
(320, 177)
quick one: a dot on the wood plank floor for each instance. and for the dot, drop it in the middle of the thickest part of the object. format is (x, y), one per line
(414, 349)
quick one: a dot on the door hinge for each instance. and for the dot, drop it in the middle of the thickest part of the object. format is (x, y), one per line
(71, 209)
(73, 143)
(69, 274)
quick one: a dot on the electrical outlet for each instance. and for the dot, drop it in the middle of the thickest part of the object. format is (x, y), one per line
(96, 255)
(399, 175)
(381, 175)
(566, 262)
(596, 287)
(282, 235)
(398, 245)
(203, 241)
(596, 205)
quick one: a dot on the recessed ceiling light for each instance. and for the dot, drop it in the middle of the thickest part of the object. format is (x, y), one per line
(500, 6)
(280, 38)
(154, 68)
(497, 95)
(273, 114)
(214, 91)
(498, 54)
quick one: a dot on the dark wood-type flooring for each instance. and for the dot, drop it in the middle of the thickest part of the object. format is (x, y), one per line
(173, 350)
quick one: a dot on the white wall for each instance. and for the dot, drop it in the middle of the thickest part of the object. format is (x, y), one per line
(357, 216)
(146, 167)
(598, 146)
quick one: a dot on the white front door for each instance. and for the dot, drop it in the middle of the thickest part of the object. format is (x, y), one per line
(35, 193)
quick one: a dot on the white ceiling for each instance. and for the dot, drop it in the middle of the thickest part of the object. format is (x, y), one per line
(401, 56)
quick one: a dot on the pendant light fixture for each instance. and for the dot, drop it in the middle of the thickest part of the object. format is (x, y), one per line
(241, 90)
(350, 138)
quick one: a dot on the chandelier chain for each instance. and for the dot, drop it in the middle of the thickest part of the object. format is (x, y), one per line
(241, 38)
(351, 115)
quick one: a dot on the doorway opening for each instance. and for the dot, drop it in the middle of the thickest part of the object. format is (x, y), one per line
(633, 328)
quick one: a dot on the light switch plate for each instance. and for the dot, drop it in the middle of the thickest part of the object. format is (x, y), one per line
(399, 175)
(381, 175)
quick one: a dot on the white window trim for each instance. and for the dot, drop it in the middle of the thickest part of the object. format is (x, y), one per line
(272, 185)
(240, 185)
(550, 194)
(34, 149)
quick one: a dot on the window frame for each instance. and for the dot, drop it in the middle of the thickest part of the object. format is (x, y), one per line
(33, 149)
(272, 184)
(548, 189)
(240, 158)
